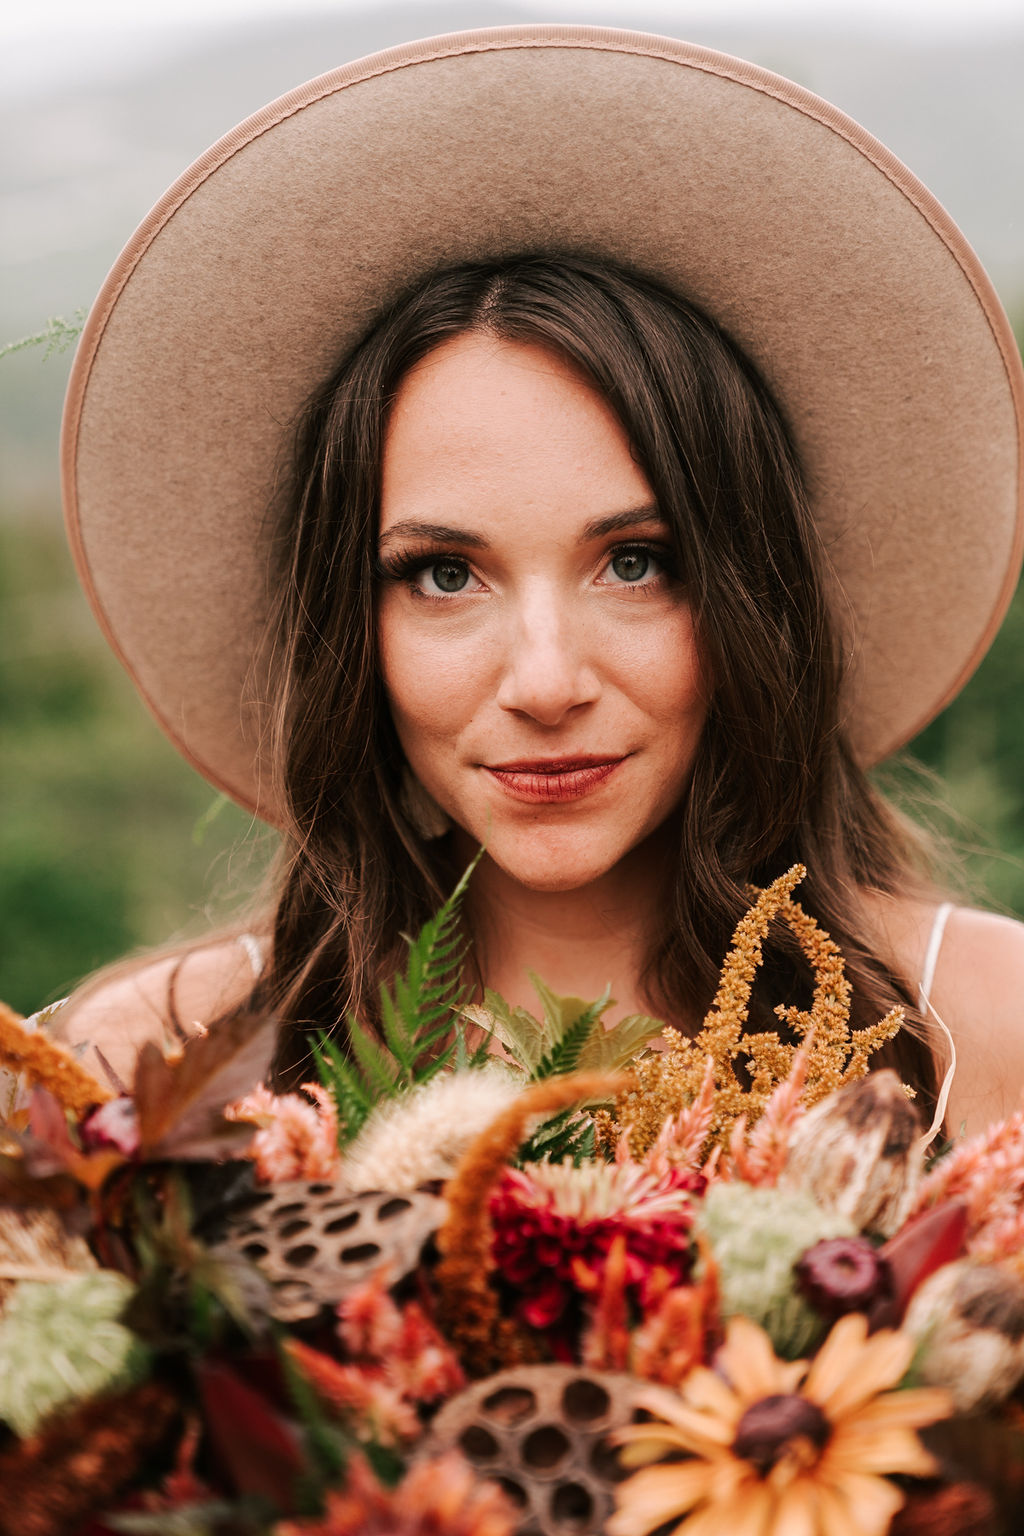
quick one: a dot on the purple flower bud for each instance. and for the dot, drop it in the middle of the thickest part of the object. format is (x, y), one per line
(842, 1274)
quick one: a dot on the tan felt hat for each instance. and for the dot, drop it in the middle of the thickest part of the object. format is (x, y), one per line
(822, 256)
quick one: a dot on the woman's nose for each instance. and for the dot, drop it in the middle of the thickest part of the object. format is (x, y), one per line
(548, 670)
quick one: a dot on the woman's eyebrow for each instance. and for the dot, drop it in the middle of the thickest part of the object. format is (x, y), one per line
(437, 533)
(442, 533)
(617, 521)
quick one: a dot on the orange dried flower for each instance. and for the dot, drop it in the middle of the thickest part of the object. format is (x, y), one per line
(675, 1079)
(680, 1330)
(48, 1064)
(396, 1362)
(51, 1483)
(778, 1447)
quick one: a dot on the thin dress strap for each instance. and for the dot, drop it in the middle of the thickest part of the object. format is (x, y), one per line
(253, 951)
(931, 959)
(924, 1003)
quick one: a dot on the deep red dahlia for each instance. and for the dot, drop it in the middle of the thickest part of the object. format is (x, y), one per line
(554, 1226)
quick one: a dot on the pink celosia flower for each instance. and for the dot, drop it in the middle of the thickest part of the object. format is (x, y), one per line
(402, 1342)
(369, 1323)
(374, 1407)
(424, 1366)
(397, 1363)
(439, 1494)
(296, 1139)
(987, 1175)
(398, 1349)
(682, 1138)
(760, 1156)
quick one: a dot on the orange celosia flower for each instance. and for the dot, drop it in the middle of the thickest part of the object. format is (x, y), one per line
(374, 1405)
(783, 1448)
(680, 1329)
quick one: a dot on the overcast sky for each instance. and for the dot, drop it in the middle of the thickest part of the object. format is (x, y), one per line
(70, 39)
(47, 19)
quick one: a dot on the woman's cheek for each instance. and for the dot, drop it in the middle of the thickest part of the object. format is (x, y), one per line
(660, 664)
(435, 675)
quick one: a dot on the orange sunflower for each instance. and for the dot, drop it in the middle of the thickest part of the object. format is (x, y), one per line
(779, 1448)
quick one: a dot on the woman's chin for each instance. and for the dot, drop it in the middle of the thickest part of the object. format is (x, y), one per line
(553, 865)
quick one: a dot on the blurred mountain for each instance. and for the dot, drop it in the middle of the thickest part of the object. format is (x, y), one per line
(80, 164)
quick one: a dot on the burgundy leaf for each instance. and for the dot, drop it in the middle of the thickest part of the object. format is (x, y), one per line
(48, 1122)
(181, 1101)
(151, 1088)
(258, 1449)
(919, 1248)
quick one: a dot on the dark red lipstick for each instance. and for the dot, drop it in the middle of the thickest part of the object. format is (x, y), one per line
(552, 779)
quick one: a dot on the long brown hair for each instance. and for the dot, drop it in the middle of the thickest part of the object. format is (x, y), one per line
(774, 781)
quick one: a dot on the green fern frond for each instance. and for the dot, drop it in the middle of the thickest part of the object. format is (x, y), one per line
(532, 1043)
(571, 1024)
(523, 1036)
(345, 1087)
(419, 1011)
(379, 1069)
(564, 1055)
(568, 1135)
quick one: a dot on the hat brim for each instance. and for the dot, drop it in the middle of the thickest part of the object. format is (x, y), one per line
(820, 254)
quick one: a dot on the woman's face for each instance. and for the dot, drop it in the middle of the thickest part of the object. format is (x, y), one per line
(538, 652)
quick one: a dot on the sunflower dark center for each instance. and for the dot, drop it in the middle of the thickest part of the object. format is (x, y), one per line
(774, 1425)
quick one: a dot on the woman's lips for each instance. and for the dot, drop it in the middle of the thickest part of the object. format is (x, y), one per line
(550, 780)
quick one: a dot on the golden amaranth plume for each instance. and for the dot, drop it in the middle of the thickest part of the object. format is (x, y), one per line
(670, 1080)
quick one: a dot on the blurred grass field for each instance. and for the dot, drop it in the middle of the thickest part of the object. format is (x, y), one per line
(109, 842)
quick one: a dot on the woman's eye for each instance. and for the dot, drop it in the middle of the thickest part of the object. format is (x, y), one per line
(448, 576)
(631, 567)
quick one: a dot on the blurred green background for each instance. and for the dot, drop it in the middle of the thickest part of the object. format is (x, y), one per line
(108, 840)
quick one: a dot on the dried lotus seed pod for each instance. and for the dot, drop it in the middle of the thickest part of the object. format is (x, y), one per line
(858, 1153)
(969, 1320)
(542, 1433)
(314, 1242)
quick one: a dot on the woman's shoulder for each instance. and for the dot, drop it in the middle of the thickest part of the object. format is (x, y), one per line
(160, 999)
(978, 992)
(971, 965)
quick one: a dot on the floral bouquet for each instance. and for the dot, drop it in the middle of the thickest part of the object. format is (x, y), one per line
(577, 1279)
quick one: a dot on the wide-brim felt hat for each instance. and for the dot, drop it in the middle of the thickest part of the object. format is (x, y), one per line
(819, 253)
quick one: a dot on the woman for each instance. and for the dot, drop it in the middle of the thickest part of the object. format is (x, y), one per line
(551, 569)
